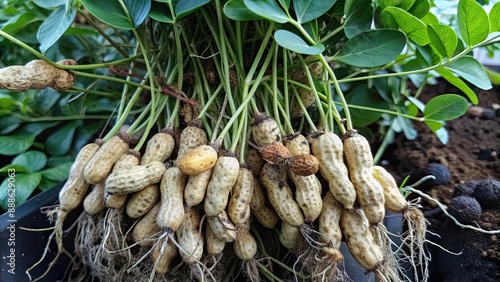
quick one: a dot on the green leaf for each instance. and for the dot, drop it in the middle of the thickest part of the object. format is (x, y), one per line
(495, 17)
(160, 12)
(186, 7)
(44, 100)
(372, 48)
(443, 40)
(472, 21)
(308, 10)
(8, 124)
(403, 4)
(420, 8)
(286, 4)
(59, 142)
(15, 144)
(48, 4)
(358, 17)
(54, 27)
(293, 42)
(20, 189)
(57, 173)
(46, 184)
(430, 18)
(439, 130)
(36, 128)
(471, 70)
(17, 168)
(19, 22)
(267, 9)
(110, 12)
(407, 127)
(33, 161)
(451, 78)
(445, 107)
(7, 102)
(362, 96)
(238, 11)
(138, 10)
(411, 25)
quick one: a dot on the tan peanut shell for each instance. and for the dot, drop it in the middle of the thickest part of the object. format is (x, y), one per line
(327, 147)
(163, 254)
(222, 227)
(141, 202)
(289, 236)
(308, 195)
(369, 192)
(394, 200)
(159, 148)
(94, 201)
(75, 188)
(245, 246)
(329, 226)
(265, 130)
(258, 197)
(297, 144)
(215, 245)
(241, 196)
(189, 237)
(124, 162)
(99, 167)
(254, 161)
(280, 195)
(197, 160)
(191, 137)
(224, 175)
(359, 239)
(172, 186)
(146, 227)
(196, 186)
(266, 216)
(134, 179)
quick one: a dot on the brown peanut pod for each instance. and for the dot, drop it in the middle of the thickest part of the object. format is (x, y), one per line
(194, 193)
(171, 212)
(159, 147)
(329, 227)
(369, 192)
(124, 162)
(147, 227)
(327, 147)
(163, 254)
(189, 238)
(134, 179)
(266, 216)
(274, 178)
(64, 79)
(99, 167)
(241, 196)
(275, 153)
(265, 130)
(304, 165)
(141, 202)
(191, 137)
(94, 201)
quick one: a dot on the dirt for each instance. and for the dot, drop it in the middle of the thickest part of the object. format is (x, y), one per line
(472, 153)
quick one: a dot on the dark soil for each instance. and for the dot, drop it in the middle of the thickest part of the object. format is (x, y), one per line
(472, 154)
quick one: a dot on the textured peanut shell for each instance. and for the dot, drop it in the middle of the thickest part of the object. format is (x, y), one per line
(147, 227)
(224, 175)
(329, 225)
(265, 130)
(297, 144)
(158, 148)
(196, 186)
(327, 147)
(189, 237)
(134, 179)
(254, 161)
(163, 254)
(245, 246)
(258, 197)
(215, 245)
(124, 162)
(304, 164)
(141, 202)
(197, 160)
(289, 236)
(394, 200)
(266, 216)
(308, 195)
(191, 137)
(94, 201)
(222, 227)
(241, 196)
(75, 188)
(172, 186)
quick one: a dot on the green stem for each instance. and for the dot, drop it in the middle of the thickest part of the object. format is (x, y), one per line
(57, 118)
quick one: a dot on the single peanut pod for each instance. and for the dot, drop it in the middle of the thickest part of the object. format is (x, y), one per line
(163, 254)
(197, 160)
(99, 167)
(159, 147)
(359, 239)
(134, 179)
(224, 175)
(189, 237)
(75, 188)
(275, 153)
(280, 195)
(245, 246)
(241, 196)
(141, 202)
(94, 201)
(258, 197)
(171, 212)
(147, 227)
(308, 195)
(289, 236)
(64, 79)
(191, 137)
(254, 161)
(327, 147)
(215, 245)
(297, 144)
(394, 200)
(369, 192)
(329, 226)
(222, 227)
(124, 162)
(196, 186)
(304, 164)
(265, 130)
(266, 216)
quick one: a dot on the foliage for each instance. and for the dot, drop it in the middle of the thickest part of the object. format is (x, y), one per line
(135, 58)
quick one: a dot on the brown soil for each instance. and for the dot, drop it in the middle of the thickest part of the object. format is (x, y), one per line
(472, 153)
